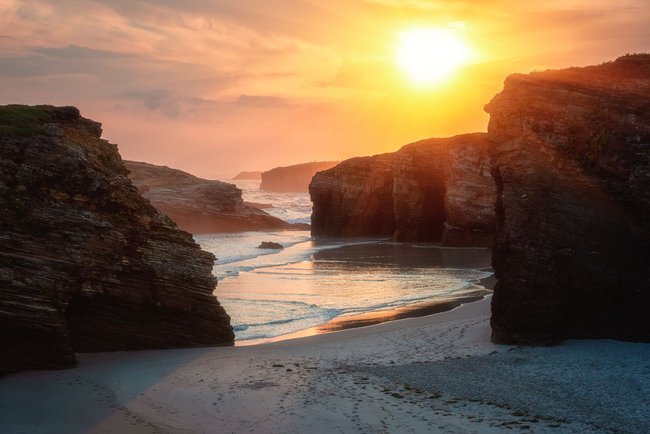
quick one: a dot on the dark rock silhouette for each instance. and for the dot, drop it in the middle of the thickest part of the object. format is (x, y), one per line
(200, 205)
(292, 178)
(86, 263)
(432, 190)
(270, 245)
(571, 158)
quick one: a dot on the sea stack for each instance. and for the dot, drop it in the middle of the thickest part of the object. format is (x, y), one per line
(86, 263)
(432, 190)
(294, 178)
(570, 152)
(201, 205)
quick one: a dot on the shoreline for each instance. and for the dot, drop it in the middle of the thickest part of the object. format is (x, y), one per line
(362, 284)
(438, 373)
(482, 289)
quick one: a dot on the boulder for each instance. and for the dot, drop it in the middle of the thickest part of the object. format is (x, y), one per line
(270, 245)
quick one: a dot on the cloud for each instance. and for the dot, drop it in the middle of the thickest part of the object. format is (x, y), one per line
(72, 59)
(227, 72)
(262, 101)
(152, 99)
(76, 52)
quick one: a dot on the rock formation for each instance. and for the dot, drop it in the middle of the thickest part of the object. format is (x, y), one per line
(292, 178)
(571, 158)
(86, 263)
(248, 175)
(200, 205)
(270, 245)
(432, 190)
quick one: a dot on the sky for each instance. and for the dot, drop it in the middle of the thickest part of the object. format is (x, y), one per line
(215, 87)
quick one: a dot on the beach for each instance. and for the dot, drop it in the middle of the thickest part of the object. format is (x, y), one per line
(356, 335)
(437, 373)
(312, 286)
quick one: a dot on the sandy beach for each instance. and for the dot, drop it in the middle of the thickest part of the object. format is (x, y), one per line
(313, 287)
(437, 373)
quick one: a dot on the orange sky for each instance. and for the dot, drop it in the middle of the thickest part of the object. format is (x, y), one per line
(218, 86)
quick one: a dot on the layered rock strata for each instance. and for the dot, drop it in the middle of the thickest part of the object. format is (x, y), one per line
(432, 190)
(570, 152)
(294, 178)
(86, 263)
(200, 205)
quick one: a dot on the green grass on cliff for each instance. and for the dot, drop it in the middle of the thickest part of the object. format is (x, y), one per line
(22, 121)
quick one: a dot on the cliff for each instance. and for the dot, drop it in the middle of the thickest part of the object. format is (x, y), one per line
(248, 175)
(432, 190)
(293, 178)
(86, 263)
(570, 152)
(200, 205)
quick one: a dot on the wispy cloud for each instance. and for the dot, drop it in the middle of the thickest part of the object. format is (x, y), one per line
(233, 74)
(75, 52)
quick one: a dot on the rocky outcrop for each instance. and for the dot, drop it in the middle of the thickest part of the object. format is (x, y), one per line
(293, 178)
(248, 175)
(86, 263)
(270, 245)
(571, 158)
(200, 205)
(432, 190)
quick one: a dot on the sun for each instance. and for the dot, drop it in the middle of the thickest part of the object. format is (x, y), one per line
(430, 55)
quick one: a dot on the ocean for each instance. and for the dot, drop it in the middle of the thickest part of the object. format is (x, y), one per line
(270, 293)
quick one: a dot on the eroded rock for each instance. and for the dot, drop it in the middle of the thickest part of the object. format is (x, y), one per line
(571, 158)
(200, 205)
(86, 263)
(432, 190)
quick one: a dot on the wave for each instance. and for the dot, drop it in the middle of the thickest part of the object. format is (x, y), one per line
(262, 252)
(333, 314)
(281, 326)
(261, 301)
(293, 253)
(304, 220)
(292, 301)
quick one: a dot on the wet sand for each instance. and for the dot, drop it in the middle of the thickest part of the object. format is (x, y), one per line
(406, 256)
(482, 289)
(392, 261)
(412, 311)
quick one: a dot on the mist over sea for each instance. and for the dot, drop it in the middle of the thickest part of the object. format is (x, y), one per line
(270, 293)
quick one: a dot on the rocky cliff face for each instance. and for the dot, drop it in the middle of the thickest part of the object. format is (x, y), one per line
(200, 205)
(86, 263)
(571, 158)
(433, 190)
(292, 178)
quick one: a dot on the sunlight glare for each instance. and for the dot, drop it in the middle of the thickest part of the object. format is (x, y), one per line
(430, 55)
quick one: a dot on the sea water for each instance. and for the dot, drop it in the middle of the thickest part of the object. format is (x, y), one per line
(269, 293)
